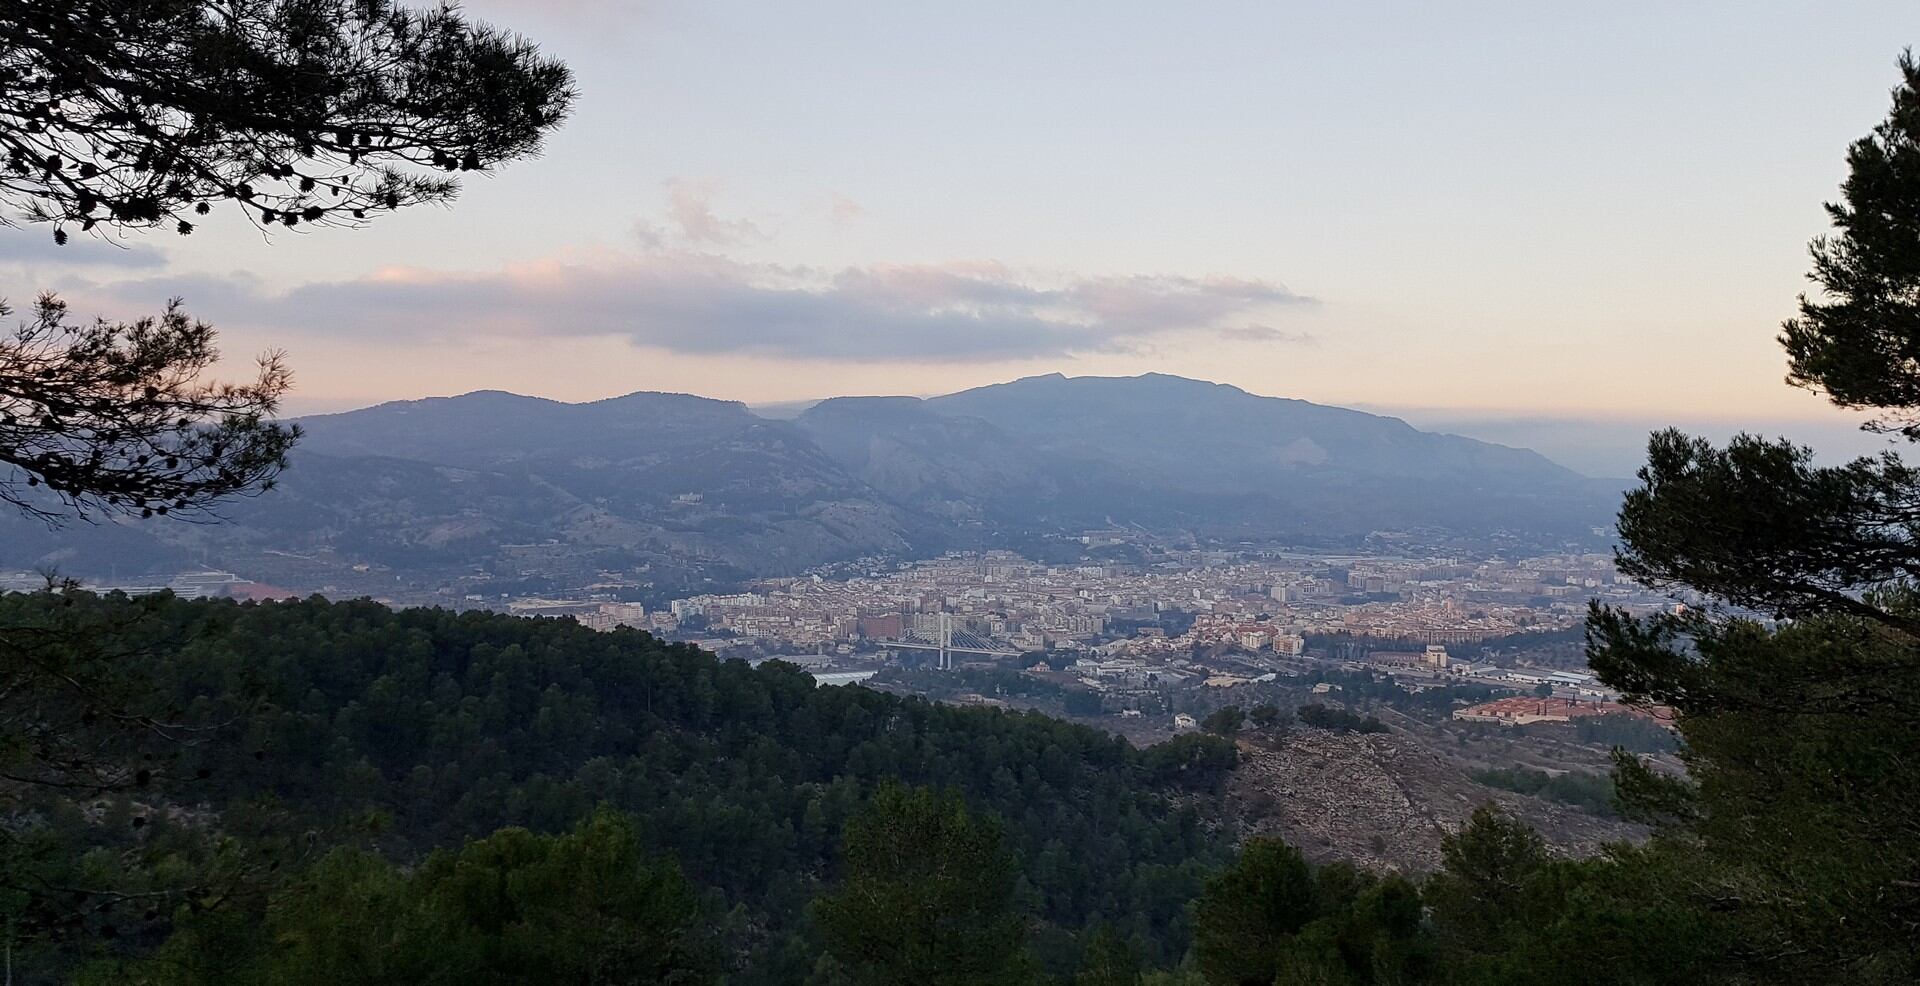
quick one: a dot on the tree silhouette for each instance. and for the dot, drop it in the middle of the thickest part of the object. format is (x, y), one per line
(324, 112)
(1792, 840)
(1860, 344)
(1759, 523)
(129, 116)
(115, 417)
(118, 115)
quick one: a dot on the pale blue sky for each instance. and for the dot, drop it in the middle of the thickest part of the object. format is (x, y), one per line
(1575, 209)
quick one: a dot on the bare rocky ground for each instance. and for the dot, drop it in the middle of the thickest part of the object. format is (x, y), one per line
(1384, 800)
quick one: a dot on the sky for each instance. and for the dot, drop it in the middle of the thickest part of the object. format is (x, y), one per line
(1484, 212)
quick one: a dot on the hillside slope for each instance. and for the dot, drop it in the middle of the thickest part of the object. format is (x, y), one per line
(1382, 800)
(309, 718)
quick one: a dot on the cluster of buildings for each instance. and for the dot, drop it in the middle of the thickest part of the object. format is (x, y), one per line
(1127, 631)
(991, 601)
(1134, 633)
(1184, 602)
(1129, 635)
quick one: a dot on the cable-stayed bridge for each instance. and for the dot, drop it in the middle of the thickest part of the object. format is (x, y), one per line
(948, 640)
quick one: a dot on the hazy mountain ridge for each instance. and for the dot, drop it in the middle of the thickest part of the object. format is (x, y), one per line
(1161, 450)
(1257, 439)
(489, 428)
(685, 486)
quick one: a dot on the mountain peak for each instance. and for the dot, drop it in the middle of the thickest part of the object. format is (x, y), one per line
(1156, 380)
(660, 397)
(858, 404)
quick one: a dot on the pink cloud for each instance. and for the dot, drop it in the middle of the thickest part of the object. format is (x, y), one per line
(700, 303)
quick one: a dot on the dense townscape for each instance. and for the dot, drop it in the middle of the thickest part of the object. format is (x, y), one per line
(1259, 603)
(1132, 634)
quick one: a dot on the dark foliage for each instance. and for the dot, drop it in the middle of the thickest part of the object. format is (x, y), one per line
(1860, 343)
(1634, 734)
(1588, 792)
(1271, 918)
(1337, 720)
(88, 738)
(1790, 851)
(581, 907)
(1224, 721)
(1759, 525)
(925, 896)
(1798, 819)
(1366, 686)
(433, 727)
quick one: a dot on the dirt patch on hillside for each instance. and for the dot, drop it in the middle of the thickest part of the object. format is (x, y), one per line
(1384, 801)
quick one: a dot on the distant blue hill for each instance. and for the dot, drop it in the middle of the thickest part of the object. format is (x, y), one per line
(1166, 450)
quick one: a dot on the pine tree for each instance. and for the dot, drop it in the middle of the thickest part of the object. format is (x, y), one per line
(926, 896)
(1793, 846)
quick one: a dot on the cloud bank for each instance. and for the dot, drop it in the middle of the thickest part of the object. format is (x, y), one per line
(34, 246)
(696, 303)
(1266, 333)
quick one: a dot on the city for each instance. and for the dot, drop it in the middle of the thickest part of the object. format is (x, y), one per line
(1154, 641)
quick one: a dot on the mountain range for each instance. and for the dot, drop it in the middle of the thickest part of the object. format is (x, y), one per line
(693, 489)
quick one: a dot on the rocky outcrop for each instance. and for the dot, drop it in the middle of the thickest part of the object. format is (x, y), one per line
(1383, 801)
